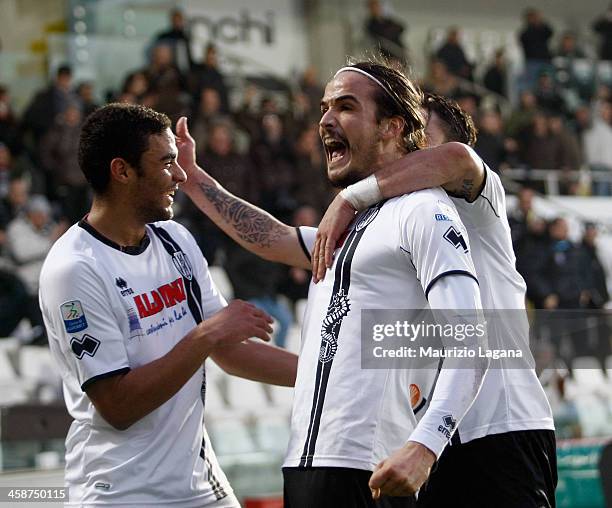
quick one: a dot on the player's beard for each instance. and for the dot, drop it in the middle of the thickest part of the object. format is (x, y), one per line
(362, 164)
(148, 212)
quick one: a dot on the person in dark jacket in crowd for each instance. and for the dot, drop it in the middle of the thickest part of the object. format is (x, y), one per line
(603, 27)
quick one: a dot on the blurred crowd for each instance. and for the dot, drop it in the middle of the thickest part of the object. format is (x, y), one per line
(261, 142)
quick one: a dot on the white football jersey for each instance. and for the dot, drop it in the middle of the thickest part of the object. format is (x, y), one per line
(343, 415)
(108, 310)
(509, 399)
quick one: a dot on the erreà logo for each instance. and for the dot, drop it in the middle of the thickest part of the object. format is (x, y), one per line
(166, 296)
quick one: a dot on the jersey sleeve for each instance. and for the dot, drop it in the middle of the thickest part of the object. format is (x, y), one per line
(435, 239)
(78, 315)
(489, 206)
(307, 236)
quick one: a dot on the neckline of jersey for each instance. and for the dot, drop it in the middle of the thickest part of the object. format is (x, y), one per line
(132, 250)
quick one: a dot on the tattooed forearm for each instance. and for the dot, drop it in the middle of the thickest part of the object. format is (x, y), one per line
(250, 224)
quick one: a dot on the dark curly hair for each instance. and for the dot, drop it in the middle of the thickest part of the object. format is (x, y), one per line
(116, 130)
(400, 98)
(458, 125)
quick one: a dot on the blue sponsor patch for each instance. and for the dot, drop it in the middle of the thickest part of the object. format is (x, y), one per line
(73, 316)
(441, 216)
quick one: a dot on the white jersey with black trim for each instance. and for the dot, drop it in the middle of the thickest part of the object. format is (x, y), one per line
(108, 310)
(510, 399)
(343, 415)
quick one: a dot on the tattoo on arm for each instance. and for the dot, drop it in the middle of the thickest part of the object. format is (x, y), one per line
(465, 191)
(251, 225)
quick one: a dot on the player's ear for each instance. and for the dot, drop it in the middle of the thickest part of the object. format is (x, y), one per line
(393, 127)
(120, 170)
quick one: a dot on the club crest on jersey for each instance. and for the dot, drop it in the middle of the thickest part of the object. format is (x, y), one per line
(87, 345)
(73, 316)
(367, 218)
(181, 261)
(338, 309)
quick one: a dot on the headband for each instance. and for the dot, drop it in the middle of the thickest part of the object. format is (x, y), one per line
(369, 76)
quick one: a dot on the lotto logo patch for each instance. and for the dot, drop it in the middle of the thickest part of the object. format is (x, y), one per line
(73, 316)
(87, 345)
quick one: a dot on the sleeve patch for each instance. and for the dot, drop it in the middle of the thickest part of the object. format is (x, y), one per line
(73, 316)
(455, 238)
(87, 345)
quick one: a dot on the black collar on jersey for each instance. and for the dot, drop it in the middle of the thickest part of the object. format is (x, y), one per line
(132, 250)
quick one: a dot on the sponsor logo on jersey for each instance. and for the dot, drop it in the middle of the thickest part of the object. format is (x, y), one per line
(102, 486)
(455, 238)
(73, 316)
(442, 217)
(123, 287)
(164, 297)
(181, 261)
(448, 425)
(87, 345)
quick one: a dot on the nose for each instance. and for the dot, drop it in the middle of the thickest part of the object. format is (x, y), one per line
(178, 173)
(327, 120)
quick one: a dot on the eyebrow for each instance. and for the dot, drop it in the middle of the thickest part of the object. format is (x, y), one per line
(340, 99)
(169, 156)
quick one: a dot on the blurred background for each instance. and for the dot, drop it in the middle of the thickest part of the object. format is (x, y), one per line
(249, 75)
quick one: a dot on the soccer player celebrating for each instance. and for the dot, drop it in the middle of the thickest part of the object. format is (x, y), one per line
(132, 314)
(504, 451)
(346, 419)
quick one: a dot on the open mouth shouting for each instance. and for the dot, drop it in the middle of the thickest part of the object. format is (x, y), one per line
(336, 150)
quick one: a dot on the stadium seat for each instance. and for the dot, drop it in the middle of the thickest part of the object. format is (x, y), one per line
(282, 397)
(12, 390)
(231, 436)
(37, 368)
(246, 396)
(587, 372)
(272, 433)
(222, 281)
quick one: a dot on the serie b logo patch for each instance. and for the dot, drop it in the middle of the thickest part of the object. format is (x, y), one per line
(73, 316)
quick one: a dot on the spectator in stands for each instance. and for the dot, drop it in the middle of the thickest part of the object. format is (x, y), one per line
(9, 128)
(496, 76)
(529, 239)
(311, 87)
(385, 33)
(272, 155)
(59, 156)
(490, 144)
(547, 94)
(452, 54)
(521, 117)
(5, 169)
(136, 85)
(47, 104)
(208, 75)
(85, 92)
(15, 201)
(207, 113)
(534, 39)
(17, 304)
(597, 144)
(312, 188)
(568, 46)
(603, 26)
(258, 281)
(296, 281)
(562, 280)
(178, 39)
(440, 81)
(29, 238)
(571, 156)
(541, 148)
(597, 291)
